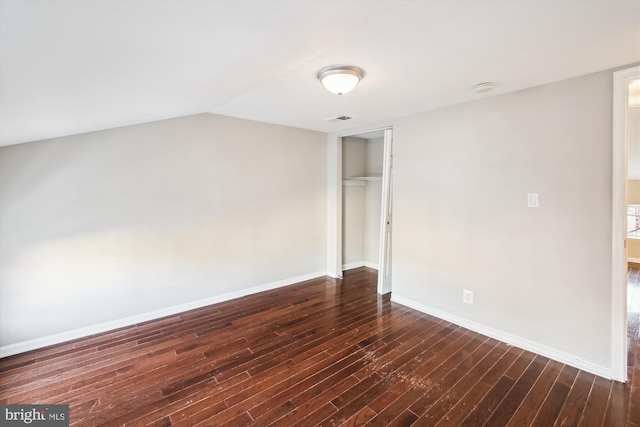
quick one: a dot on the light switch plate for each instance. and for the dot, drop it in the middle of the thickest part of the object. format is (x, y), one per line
(532, 200)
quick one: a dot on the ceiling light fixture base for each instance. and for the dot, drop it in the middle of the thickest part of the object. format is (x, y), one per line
(340, 79)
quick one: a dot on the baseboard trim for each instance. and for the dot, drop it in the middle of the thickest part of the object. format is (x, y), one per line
(510, 339)
(34, 344)
(373, 265)
(352, 265)
(359, 264)
(633, 260)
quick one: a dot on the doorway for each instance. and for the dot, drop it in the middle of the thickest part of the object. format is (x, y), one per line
(363, 204)
(361, 199)
(626, 112)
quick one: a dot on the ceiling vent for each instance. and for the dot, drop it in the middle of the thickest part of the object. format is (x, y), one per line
(484, 87)
(339, 118)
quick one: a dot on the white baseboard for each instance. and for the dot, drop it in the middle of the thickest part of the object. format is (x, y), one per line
(359, 264)
(373, 265)
(634, 260)
(352, 265)
(21, 347)
(510, 339)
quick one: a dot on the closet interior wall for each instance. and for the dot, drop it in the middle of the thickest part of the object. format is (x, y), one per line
(361, 201)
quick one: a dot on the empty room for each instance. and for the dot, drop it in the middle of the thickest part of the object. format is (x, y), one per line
(320, 213)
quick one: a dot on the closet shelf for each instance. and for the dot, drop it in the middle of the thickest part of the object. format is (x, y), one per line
(360, 181)
(366, 178)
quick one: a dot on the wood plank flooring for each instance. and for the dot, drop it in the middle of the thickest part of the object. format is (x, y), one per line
(318, 353)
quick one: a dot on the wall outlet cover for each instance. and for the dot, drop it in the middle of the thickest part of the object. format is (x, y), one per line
(467, 296)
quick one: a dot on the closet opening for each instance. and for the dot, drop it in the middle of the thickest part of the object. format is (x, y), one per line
(366, 204)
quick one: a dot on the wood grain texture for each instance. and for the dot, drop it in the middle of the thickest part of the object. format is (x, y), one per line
(317, 353)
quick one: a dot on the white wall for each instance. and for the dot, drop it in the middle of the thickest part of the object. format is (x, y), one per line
(375, 156)
(353, 216)
(354, 163)
(373, 202)
(461, 178)
(354, 157)
(111, 224)
(361, 202)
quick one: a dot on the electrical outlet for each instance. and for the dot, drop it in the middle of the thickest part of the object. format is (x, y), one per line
(532, 200)
(467, 296)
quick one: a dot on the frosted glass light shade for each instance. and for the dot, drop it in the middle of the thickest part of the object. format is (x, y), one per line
(340, 79)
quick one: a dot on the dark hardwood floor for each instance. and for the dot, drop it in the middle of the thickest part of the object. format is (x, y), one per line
(317, 353)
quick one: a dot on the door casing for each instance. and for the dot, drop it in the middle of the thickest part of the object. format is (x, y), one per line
(334, 200)
(618, 224)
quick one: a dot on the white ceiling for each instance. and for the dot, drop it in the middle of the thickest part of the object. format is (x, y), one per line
(68, 67)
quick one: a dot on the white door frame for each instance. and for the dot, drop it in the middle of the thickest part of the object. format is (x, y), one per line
(334, 199)
(334, 206)
(384, 258)
(618, 224)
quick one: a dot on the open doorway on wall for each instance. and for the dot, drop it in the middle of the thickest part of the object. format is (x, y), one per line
(366, 204)
(625, 220)
(632, 193)
(632, 199)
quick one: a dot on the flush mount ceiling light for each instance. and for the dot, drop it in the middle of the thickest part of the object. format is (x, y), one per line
(484, 87)
(340, 79)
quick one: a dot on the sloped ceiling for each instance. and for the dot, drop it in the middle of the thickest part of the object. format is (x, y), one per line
(69, 67)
